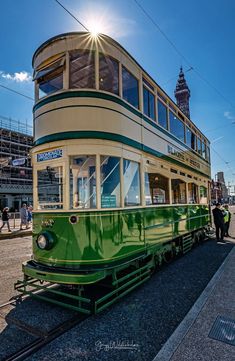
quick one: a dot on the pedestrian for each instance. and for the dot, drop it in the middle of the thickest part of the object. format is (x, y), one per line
(29, 209)
(227, 219)
(23, 216)
(219, 222)
(5, 219)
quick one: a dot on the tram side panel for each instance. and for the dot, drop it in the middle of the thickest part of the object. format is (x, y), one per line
(100, 238)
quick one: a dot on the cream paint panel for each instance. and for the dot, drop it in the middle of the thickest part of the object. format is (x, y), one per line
(86, 101)
(71, 144)
(86, 119)
(156, 142)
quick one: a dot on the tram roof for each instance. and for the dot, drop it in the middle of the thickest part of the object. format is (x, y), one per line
(65, 35)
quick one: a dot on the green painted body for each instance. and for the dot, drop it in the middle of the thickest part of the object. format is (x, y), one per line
(101, 241)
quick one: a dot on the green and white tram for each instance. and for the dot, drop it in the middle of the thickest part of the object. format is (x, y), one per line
(121, 175)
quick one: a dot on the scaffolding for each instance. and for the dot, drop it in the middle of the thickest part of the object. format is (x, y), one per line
(16, 140)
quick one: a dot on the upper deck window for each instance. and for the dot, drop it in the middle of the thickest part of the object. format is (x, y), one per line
(50, 78)
(108, 74)
(190, 139)
(82, 69)
(208, 158)
(176, 127)
(150, 86)
(203, 150)
(130, 90)
(149, 103)
(199, 146)
(162, 114)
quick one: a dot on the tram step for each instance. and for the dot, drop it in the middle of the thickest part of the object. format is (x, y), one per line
(187, 243)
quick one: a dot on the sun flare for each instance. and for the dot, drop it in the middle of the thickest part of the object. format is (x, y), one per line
(96, 26)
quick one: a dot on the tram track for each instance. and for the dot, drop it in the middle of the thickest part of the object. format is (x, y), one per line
(42, 338)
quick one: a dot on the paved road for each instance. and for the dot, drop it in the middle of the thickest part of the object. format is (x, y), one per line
(13, 252)
(135, 328)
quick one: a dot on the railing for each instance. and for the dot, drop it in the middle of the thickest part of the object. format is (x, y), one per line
(14, 125)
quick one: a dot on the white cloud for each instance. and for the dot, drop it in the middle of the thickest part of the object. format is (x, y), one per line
(20, 77)
(229, 116)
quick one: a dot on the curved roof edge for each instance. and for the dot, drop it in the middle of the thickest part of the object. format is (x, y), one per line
(64, 35)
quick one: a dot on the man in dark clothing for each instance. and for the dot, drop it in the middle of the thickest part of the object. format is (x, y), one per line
(5, 219)
(219, 222)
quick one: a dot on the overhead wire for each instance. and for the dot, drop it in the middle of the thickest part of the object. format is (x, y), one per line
(15, 91)
(73, 16)
(168, 40)
(190, 65)
(182, 55)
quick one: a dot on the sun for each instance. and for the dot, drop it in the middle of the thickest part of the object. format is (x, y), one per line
(96, 26)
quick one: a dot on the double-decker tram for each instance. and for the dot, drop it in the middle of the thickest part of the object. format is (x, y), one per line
(121, 175)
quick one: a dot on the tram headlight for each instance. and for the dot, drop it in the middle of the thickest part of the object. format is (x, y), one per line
(45, 241)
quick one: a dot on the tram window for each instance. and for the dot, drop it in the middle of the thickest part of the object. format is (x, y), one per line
(130, 89)
(156, 189)
(83, 181)
(110, 181)
(178, 190)
(199, 146)
(208, 154)
(51, 82)
(82, 69)
(149, 103)
(50, 188)
(131, 183)
(108, 74)
(150, 86)
(192, 193)
(203, 150)
(190, 139)
(162, 114)
(176, 127)
(203, 195)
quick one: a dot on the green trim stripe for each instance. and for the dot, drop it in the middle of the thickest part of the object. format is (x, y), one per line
(112, 98)
(113, 137)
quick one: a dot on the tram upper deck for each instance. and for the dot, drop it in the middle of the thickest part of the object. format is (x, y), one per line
(90, 93)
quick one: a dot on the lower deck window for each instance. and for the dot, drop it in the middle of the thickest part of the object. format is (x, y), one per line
(178, 191)
(83, 181)
(192, 193)
(131, 183)
(202, 195)
(110, 181)
(50, 188)
(156, 189)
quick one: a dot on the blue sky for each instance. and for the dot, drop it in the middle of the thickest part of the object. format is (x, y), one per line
(203, 32)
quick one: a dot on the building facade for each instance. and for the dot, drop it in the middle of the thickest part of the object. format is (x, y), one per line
(16, 186)
(219, 191)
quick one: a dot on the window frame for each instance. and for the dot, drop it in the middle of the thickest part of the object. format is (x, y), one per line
(124, 69)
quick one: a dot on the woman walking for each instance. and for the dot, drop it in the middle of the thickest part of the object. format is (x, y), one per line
(5, 219)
